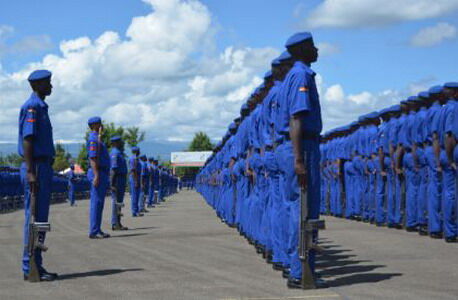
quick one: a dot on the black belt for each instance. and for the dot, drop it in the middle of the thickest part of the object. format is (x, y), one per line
(269, 147)
(306, 135)
(42, 159)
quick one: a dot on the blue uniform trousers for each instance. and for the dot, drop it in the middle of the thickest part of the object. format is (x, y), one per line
(134, 195)
(118, 196)
(285, 161)
(97, 201)
(412, 185)
(434, 193)
(313, 192)
(71, 193)
(44, 174)
(422, 201)
(143, 193)
(449, 206)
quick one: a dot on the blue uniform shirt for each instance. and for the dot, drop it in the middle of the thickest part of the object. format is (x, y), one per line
(34, 121)
(118, 162)
(98, 149)
(299, 94)
(451, 117)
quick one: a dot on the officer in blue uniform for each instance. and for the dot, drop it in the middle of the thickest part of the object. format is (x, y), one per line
(151, 171)
(98, 175)
(144, 183)
(448, 163)
(36, 146)
(71, 185)
(134, 181)
(118, 178)
(301, 118)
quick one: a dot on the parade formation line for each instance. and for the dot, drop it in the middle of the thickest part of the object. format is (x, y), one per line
(180, 250)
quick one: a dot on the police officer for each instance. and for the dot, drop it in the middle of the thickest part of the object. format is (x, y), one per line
(151, 171)
(36, 146)
(134, 181)
(301, 118)
(118, 178)
(71, 185)
(144, 183)
(98, 175)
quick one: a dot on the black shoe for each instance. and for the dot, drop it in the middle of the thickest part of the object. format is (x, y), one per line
(116, 227)
(380, 224)
(411, 229)
(95, 236)
(285, 273)
(105, 235)
(123, 227)
(294, 283)
(397, 226)
(137, 215)
(423, 230)
(269, 257)
(435, 235)
(451, 239)
(277, 267)
(144, 211)
(44, 277)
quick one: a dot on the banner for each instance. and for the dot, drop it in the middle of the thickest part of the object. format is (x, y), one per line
(189, 159)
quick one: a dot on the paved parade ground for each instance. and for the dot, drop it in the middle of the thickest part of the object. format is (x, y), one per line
(180, 250)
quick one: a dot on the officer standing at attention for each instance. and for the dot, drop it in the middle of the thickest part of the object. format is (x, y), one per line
(134, 181)
(302, 120)
(98, 175)
(144, 182)
(71, 185)
(118, 178)
(36, 146)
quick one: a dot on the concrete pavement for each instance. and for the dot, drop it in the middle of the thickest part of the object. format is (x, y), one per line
(180, 250)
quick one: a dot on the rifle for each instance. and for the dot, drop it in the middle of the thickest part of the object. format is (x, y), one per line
(307, 228)
(35, 228)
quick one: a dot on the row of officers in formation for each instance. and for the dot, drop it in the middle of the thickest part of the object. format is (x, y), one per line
(63, 188)
(395, 167)
(270, 154)
(149, 182)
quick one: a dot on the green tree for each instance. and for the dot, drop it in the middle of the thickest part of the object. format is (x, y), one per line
(62, 158)
(133, 136)
(12, 160)
(200, 142)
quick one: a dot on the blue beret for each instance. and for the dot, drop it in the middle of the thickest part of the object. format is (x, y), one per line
(276, 62)
(143, 156)
(451, 85)
(284, 56)
(232, 126)
(151, 158)
(354, 124)
(395, 108)
(298, 38)
(135, 149)
(94, 120)
(436, 89)
(423, 95)
(268, 74)
(39, 74)
(404, 102)
(384, 111)
(361, 119)
(115, 138)
(412, 99)
(373, 115)
(244, 107)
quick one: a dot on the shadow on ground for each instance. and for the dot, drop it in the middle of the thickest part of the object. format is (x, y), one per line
(339, 268)
(96, 273)
(128, 235)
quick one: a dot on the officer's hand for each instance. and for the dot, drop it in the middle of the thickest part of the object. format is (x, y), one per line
(301, 172)
(398, 171)
(453, 165)
(439, 169)
(95, 181)
(383, 173)
(31, 177)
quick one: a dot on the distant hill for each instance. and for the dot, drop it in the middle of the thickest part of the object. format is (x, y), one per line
(149, 148)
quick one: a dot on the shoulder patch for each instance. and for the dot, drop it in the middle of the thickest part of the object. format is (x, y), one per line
(303, 89)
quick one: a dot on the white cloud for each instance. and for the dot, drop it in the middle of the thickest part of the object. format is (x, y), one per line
(163, 75)
(328, 49)
(434, 35)
(363, 13)
(335, 93)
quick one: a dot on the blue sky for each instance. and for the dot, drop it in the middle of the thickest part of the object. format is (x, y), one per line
(371, 54)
